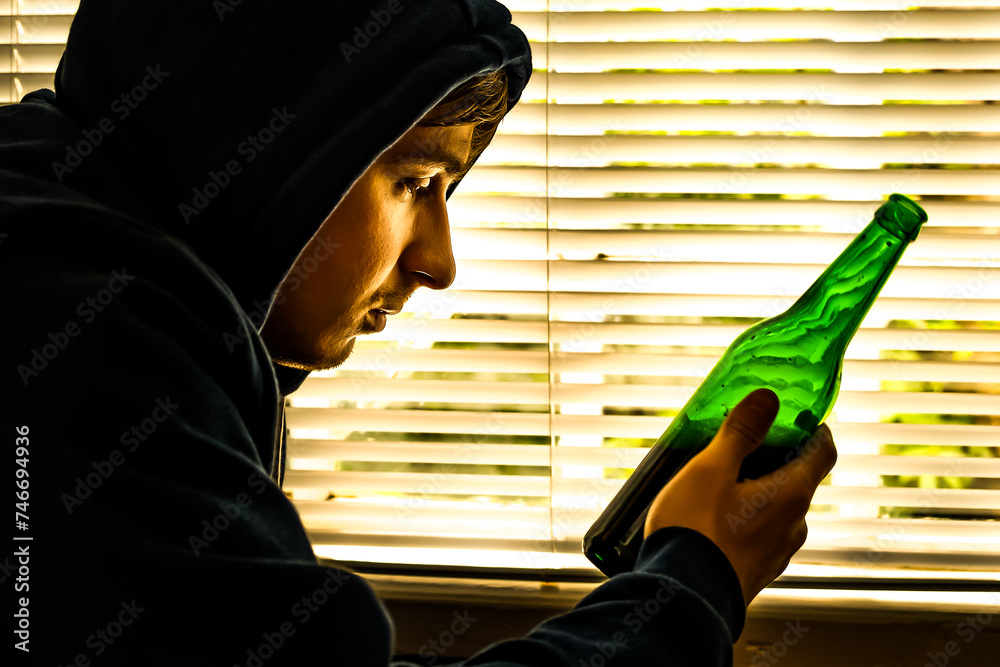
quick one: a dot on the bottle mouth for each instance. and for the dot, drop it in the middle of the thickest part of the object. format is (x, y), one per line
(901, 217)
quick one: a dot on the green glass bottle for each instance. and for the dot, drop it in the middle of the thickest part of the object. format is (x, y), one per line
(797, 354)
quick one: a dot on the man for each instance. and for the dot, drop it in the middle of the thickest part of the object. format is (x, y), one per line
(159, 213)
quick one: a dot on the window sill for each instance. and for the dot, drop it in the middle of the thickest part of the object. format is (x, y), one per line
(779, 600)
(889, 621)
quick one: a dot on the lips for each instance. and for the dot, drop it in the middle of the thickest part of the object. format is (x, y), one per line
(376, 319)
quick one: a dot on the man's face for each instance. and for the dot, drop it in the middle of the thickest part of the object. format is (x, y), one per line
(388, 236)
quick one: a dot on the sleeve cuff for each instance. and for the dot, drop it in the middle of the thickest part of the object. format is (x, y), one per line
(696, 562)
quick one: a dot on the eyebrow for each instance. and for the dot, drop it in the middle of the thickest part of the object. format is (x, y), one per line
(446, 161)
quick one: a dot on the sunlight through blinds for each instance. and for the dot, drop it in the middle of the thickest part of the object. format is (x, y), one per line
(32, 40)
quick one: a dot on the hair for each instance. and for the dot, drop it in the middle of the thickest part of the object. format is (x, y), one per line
(481, 100)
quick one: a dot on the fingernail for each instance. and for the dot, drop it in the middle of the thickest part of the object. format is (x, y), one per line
(765, 399)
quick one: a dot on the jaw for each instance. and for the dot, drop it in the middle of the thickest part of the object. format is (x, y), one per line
(308, 349)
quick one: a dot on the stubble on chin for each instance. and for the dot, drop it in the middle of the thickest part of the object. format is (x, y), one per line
(329, 354)
(337, 355)
(332, 353)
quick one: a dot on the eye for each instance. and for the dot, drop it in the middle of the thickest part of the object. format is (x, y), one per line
(414, 186)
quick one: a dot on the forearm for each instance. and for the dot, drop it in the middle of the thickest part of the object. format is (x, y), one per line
(681, 606)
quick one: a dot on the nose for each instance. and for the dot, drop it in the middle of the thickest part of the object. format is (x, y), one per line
(429, 257)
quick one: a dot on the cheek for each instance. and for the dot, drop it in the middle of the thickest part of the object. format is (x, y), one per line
(374, 244)
(358, 269)
(365, 235)
(381, 238)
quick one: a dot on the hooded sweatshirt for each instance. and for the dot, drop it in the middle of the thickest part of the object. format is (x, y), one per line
(149, 208)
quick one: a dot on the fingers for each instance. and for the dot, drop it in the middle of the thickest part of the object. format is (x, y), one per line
(747, 424)
(817, 457)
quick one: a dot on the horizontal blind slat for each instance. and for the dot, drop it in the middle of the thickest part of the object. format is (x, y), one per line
(375, 361)
(940, 249)
(485, 425)
(40, 7)
(845, 25)
(827, 88)
(769, 117)
(422, 452)
(354, 482)
(510, 519)
(624, 457)
(733, 7)
(39, 28)
(798, 55)
(32, 59)
(596, 212)
(639, 396)
(839, 152)
(15, 86)
(429, 331)
(831, 183)
(597, 305)
(533, 485)
(564, 554)
(726, 277)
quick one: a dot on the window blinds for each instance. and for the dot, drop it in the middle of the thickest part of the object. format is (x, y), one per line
(675, 172)
(32, 38)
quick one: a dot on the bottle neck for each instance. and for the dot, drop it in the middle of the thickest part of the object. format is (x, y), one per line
(838, 301)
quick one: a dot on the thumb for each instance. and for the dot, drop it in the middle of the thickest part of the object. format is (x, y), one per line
(745, 427)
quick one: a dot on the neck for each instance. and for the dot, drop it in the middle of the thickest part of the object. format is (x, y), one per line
(839, 299)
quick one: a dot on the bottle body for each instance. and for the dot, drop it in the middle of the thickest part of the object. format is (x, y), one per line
(798, 354)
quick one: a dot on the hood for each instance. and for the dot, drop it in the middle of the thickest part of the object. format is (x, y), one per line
(237, 125)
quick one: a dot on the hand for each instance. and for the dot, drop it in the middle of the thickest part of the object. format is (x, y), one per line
(758, 523)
